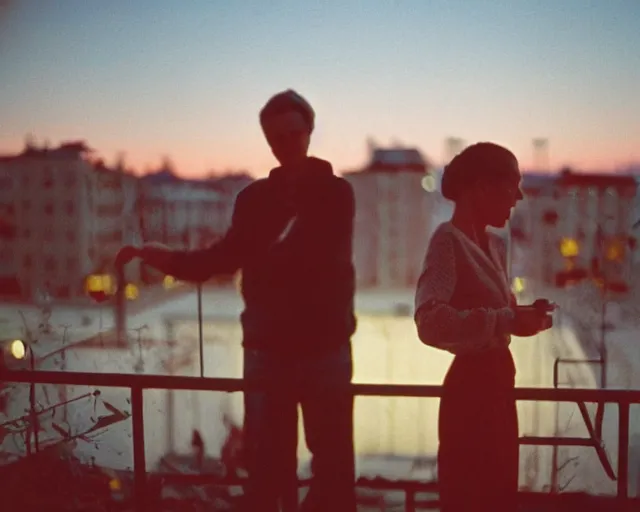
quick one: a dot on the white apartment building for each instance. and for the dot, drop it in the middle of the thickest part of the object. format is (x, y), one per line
(68, 216)
(52, 200)
(581, 207)
(115, 221)
(229, 186)
(394, 217)
(179, 213)
(9, 286)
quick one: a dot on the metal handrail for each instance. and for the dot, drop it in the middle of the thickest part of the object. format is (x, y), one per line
(138, 383)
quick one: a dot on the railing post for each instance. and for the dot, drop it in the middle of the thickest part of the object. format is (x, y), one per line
(200, 334)
(623, 451)
(410, 503)
(139, 462)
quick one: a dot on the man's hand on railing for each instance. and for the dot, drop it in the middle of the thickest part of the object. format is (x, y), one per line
(149, 252)
(126, 254)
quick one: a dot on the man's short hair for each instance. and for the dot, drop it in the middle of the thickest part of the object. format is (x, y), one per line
(287, 101)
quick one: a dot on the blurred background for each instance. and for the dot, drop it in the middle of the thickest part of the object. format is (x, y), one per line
(128, 123)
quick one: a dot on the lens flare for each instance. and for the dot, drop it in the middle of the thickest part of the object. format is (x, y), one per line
(18, 349)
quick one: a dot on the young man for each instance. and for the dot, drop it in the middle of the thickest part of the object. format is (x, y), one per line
(291, 235)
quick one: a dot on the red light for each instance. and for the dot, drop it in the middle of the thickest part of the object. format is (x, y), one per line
(98, 296)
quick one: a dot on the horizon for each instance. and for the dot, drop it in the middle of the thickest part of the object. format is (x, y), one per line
(150, 80)
(167, 166)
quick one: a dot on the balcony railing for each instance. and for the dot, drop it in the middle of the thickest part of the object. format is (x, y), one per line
(137, 384)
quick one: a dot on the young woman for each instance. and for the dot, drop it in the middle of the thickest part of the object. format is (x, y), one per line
(464, 305)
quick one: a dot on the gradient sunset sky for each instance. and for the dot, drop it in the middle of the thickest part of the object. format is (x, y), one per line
(187, 78)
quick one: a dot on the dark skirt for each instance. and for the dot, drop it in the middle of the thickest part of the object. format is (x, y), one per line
(478, 431)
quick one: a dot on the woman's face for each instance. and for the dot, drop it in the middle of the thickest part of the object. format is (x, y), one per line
(495, 199)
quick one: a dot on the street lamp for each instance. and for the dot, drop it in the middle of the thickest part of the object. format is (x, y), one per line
(16, 354)
(569, 247)
(429, 182)
(99, 286)
(18, 349)
(169, 282)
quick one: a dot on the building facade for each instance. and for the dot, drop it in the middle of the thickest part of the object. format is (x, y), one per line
(393, 217)
(569, 220)
(186, 214)
(68, 214)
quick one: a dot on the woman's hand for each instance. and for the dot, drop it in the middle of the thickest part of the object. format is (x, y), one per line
(530, 320)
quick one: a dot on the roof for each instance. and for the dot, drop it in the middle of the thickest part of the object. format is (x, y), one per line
(537, 181)
(161, 176)
(601, 180)
(66, 150)
(397, 159)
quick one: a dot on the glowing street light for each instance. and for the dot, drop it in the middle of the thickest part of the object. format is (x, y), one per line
(169, 282)
(15, 354)
(131, 291)
(429, 183)
(615, 250)
(100, 286)
(18, 349)
(569, 247)
(518, 285)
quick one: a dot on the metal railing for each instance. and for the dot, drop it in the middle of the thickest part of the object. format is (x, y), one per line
(137, 384)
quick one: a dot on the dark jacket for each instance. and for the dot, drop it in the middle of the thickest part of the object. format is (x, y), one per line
(298, 289)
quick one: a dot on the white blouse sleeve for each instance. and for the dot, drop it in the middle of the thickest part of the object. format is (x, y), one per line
(442, 326)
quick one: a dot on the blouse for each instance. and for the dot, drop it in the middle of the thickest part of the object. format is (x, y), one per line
(463, 301)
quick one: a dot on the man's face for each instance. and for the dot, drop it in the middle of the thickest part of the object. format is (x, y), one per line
(288, 136)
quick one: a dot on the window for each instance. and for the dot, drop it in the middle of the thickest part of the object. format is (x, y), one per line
(70, 179)
(69, 207)
(6, 183)
(64, 291)
(48, 209)
(6, 256)
(27, 261)
(72, 263)
(71, 236)
(26, 204)
(47, 178)
(50, 264)
(26, 233)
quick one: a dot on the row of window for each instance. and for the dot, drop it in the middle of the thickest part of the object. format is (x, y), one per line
(110, 210)
(68, 207)
(48, 235)
(46, 179)
(52, 264)
(105, 238)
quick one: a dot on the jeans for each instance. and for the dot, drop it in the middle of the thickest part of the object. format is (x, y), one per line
(321, 386)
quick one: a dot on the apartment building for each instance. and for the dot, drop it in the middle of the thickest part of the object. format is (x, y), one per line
(587, 211)
(115, 219)
(68, 216)
(394, 216)
(9, 285)
(179, 213)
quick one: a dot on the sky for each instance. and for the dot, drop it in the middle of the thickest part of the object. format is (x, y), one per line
(155, 78)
